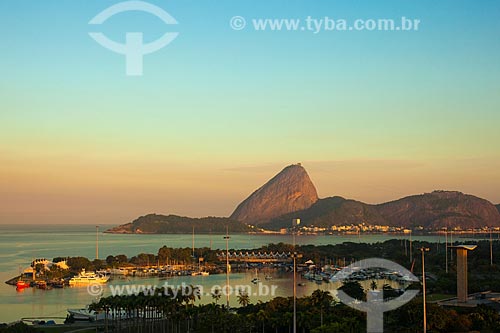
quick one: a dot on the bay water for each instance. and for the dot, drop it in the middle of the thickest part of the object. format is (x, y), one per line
(20, 244)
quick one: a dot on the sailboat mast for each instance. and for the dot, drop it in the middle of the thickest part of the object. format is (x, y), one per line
(193, 242)
(227, 267)
(210, 239)
(96, 242)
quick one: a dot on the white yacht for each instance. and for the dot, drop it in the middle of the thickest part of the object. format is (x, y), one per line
(85, 278)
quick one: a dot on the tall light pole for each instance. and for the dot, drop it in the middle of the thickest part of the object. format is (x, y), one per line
(227, 266)
(192, 242)
(451, 244)
(96, 242)
(423, 250)
(210, 239)
(295, 223)
(411, 248)
(446, 246)
(294, 290)
(491, 249)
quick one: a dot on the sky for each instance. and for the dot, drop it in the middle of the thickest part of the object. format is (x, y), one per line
(371, 115)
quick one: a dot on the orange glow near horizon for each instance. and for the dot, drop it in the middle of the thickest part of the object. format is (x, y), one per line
(110, 192)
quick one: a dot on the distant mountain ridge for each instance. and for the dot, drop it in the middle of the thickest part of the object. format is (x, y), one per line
(441, 209)
(291, 194)
(434, 210)
(329, 211)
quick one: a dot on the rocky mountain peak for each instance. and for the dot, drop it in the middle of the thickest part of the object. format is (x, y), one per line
(289, 191)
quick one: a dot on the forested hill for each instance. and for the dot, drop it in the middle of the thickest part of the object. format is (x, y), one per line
(173, 224)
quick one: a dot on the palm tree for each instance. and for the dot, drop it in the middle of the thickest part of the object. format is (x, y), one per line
(323, 299)
(262, 317)
(212, 314)
(243, 299)
(216, 294)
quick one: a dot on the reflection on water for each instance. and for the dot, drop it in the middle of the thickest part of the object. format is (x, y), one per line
(34, 302)
(19, 245)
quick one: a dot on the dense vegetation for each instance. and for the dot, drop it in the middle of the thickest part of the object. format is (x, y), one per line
(318, 312)
(483, 277)
(173, 224)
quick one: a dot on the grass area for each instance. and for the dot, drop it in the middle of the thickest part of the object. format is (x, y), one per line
(438, 297)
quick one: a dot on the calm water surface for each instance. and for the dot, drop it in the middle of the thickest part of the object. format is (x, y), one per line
(19, 245)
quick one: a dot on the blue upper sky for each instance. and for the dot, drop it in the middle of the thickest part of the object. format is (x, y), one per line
(218, 98)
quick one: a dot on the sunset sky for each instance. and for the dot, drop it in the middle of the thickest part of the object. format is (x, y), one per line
(371, 115)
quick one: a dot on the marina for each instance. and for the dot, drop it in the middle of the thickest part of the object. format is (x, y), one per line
(19, 247)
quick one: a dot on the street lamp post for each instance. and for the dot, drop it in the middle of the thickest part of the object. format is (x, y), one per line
(423, 250)
(446, 246)
(491, 248)
(295, 223)
(96, 242)
(451, 244)
(411, 248)
(294, 293)
(227, 267)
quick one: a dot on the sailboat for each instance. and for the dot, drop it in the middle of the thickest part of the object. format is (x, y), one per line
(199, 272)
(256, 279)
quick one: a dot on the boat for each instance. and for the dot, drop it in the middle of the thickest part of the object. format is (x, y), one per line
(119, 271)
(85, 278)
(204, 273)
(22, 284)
(57, 284)
(406, 278)
(41, 285)
(104, 272)
(85, 314)
(256, 279)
